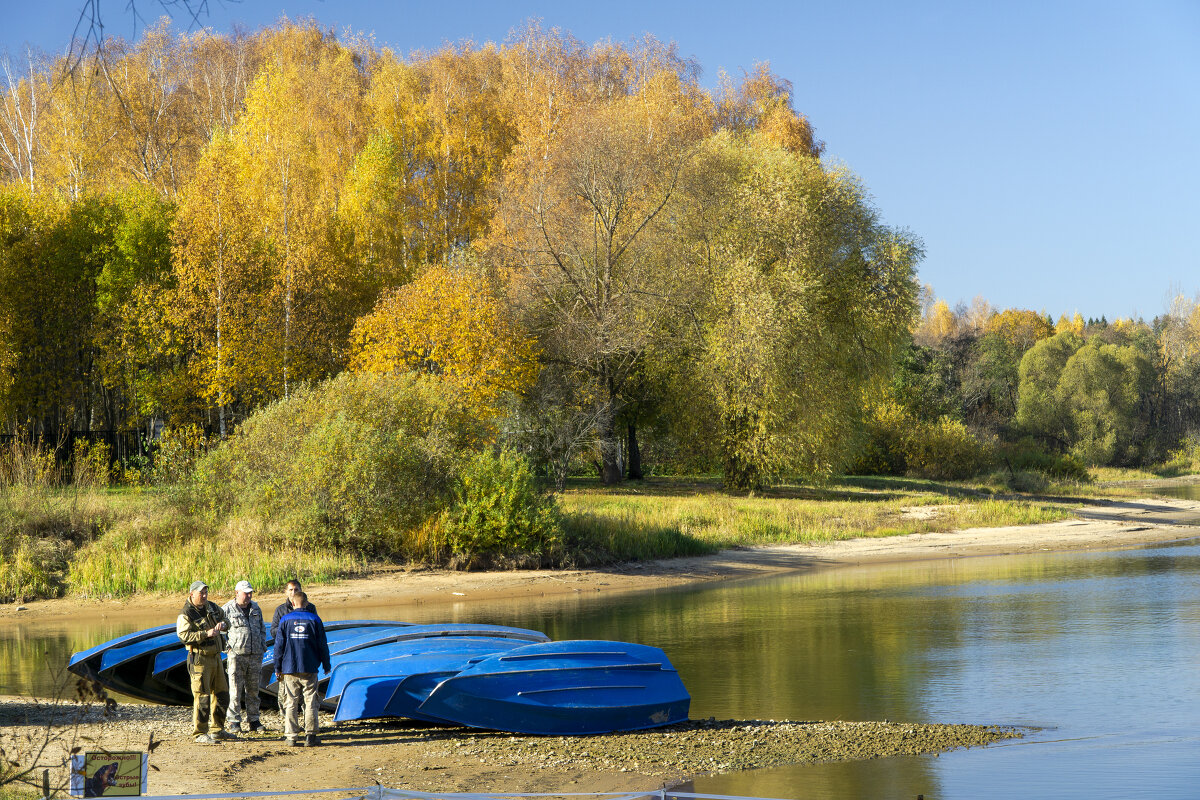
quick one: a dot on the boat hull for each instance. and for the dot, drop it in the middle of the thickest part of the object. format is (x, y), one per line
(563, 688)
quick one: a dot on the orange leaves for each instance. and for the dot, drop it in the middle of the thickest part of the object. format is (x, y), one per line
(448, 323)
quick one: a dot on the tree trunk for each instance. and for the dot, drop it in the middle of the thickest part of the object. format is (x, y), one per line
(610, 453)
(635, 455)
(611, 472)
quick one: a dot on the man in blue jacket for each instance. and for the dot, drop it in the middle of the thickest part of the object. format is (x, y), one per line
(300, 648)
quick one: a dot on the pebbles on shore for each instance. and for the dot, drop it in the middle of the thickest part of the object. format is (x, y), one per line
(699, 747)
(672, 753)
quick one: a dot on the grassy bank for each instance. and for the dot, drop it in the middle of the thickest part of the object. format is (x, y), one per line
(669, 517)
(119, 542)
(113, 543)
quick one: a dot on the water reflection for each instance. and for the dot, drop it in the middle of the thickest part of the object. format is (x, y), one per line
(1182, 491)
(1099, 649)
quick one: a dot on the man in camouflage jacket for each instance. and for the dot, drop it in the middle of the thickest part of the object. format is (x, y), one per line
(244, 648)
(199, 626)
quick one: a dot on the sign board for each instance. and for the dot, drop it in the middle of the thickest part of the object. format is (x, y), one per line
(109, 774)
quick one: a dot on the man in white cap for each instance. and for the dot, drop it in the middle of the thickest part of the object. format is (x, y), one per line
(200, 626)
(244, 650)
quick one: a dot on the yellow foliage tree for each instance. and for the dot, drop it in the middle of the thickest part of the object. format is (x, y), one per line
(763, 103)
(293, 147)
(218, 300)
(421, 186)
(153, 142)
(1073, 324)
(448, 323)
(938, 325)
(1020, 327)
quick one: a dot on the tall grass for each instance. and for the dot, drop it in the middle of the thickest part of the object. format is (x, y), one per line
(659, 522)
(164, 551)
(44, 516)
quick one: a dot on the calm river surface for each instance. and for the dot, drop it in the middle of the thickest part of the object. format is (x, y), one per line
(1100, 652)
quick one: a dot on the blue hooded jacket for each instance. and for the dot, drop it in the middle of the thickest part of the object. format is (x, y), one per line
(301, 645)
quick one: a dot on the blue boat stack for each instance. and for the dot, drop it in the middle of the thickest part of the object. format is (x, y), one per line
(481, 676)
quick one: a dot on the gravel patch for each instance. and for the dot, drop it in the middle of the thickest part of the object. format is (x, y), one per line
(388, 749)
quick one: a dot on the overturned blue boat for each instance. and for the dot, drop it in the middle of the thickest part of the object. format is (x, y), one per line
(150, 665)
(554, 688)
(400, 658)
(382, 646)
(371, 689)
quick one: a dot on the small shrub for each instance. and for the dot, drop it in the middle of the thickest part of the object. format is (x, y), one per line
(26, 464)
(135, 470)
(1028, 481)
(90, 465)
(896, 443)
(1026, 456)
(944, 450)
(31, 567)
(499, 516)
(176, 454)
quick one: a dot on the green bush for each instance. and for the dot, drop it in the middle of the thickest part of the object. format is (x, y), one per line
(356, 463)
(896, 443)
(1026, 456)
(499, 517)
(944, 450)
(176, 453)
(881, 446)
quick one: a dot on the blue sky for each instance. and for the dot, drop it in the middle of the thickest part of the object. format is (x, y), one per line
(1047, 153)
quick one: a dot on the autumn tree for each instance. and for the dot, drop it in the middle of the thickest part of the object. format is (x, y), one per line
(585, 225)
(221, 295)
(937, 325)
(764, 103)
(133, 338)
(52, 253)
(449, 323)
(293, 148)
(154, 142)
(20, 118)
(810, 297)
(76, 134)
(421, 186)
(1020, 327)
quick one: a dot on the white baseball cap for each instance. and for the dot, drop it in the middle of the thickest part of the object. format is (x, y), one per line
(243, 586)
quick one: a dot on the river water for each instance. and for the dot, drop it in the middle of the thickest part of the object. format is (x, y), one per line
(1097, 653)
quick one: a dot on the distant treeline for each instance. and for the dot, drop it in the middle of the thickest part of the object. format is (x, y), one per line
(1023, 387)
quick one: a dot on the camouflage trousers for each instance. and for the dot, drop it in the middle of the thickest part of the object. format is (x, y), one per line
(301, 688)
(209, 687)
(244, 673)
